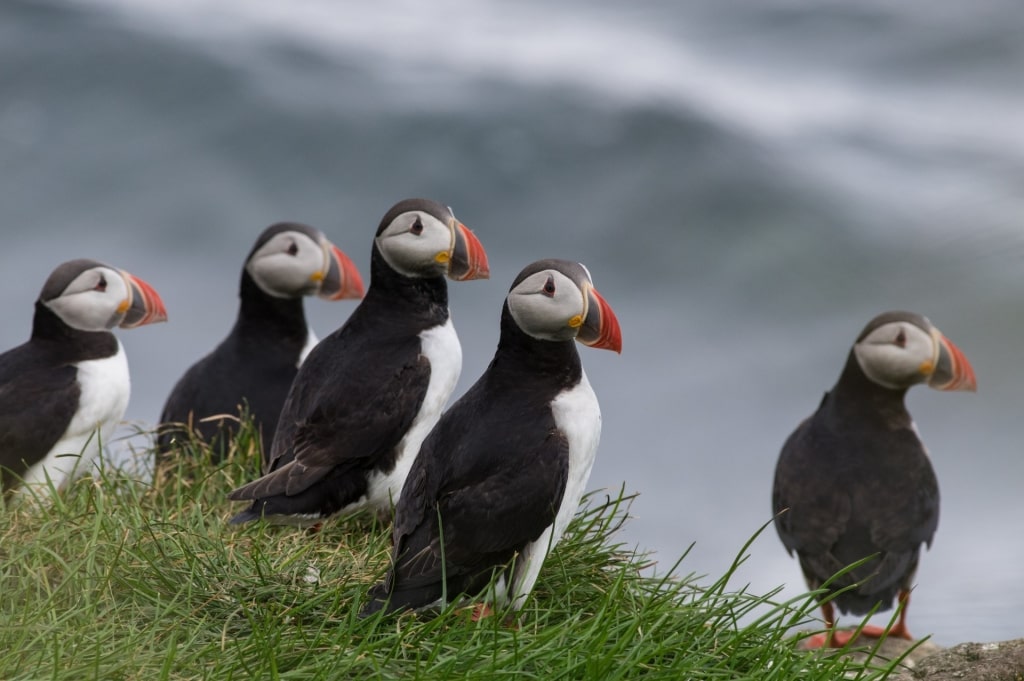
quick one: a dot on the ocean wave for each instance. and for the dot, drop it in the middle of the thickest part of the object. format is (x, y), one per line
(615, 54)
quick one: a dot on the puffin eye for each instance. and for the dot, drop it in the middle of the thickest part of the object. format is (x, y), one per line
(417, 227)
(101, 285)
(901, 339)
(293, 248)
(549, 287)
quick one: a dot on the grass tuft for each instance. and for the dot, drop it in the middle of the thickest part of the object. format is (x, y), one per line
(124, 578)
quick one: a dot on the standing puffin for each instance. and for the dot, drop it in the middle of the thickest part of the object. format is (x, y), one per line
(255, 365)
(501, 475)
(368, 394)
(854, 480)
(64, 391)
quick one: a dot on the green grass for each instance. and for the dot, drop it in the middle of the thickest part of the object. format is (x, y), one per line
(120, 579)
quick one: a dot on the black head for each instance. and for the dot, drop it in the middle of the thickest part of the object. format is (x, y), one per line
(898, 349)
(420, 238)
(90, 296)
(555, 300)
(291, 260)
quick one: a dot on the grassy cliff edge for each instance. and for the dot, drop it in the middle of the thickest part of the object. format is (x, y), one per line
(117, 578)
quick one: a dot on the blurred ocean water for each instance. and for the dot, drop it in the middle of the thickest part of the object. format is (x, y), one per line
(749, 183)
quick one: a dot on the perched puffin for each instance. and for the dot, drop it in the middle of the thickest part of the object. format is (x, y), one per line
(254, 366)
(501, 475)
(368, 394)
(64, 391)
(854, 480)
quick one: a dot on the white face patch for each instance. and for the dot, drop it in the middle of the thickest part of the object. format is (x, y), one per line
(548, 305)
(93, 301)
(289, 265)
(417, 244)
(893, 354)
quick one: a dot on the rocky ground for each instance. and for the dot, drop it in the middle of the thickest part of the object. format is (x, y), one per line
(1002, 661)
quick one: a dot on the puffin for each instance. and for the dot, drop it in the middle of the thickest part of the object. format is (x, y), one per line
(501, 475)
(253, 367)
(368, 393)
(64, 391)
(854, 481)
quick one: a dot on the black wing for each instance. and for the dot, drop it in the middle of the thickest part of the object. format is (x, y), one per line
(810, 513)
(345, 410)
(37, 402)
(234, 375)
(843, 496)
(186, 405)
(471, 502)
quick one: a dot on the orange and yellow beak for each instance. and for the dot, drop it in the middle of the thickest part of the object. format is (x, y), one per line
(600, 327)
(340, 279)
(468, 258)
(143, 306)
(951, 370)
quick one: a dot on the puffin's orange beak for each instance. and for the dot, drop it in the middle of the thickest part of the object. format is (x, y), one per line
(600, 328)
(144, 306)
(468, 258)
(952, 370)
(342, 279)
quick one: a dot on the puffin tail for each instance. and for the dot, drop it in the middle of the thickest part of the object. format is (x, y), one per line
(247, 516)
(379, 600)
(399, 600)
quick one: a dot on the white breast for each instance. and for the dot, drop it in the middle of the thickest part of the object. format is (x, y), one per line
(105, 388)
(440, 345)
(577, 415)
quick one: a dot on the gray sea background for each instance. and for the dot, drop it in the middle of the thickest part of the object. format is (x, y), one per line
(749, 183)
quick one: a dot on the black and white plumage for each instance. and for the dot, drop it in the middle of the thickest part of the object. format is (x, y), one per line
(254, 366)
(506, 466)
(854, 479)
(64, 391)
(368, 394)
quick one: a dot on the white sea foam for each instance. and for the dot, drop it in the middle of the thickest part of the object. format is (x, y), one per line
(844, 129)
(615, 55)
